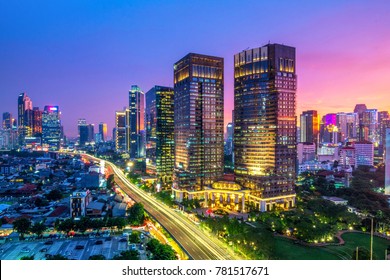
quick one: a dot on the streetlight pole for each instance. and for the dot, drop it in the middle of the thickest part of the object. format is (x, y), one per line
(372, 236)
(357, 253)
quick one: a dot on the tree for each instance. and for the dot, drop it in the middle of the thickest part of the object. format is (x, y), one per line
(127, 255)
(160, 251)
(54, 195)
(134, 238)
(27, 258)
(136, 214)
(65, 226)
(97, 257)
(38, 229)
(110, 181)
(56, 257)
(22, 226)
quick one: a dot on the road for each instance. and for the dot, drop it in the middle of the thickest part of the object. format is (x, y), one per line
(197, 244)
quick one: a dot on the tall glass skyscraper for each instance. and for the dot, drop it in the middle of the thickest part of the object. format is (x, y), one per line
(160, 131)
(51, 128)
(265, 124)
(135, 123)
(24, 105)
(199, 91)
(120, 131)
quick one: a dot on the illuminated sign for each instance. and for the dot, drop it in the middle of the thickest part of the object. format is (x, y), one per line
(53, 108)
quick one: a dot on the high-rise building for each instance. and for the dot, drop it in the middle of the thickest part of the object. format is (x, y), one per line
(51, 128)
(229, 139)
(24, 104)
(370, 125)
(329, 131)
(199, 124)
(348, 124)
(120, 131)
(309, 127)
(364, 151)
(159, 114)
(103, 131)
(37, 122)
(360, 109)
(265, 124)
(91, 133)
(135, 119)
(7, 120)
(387, 162)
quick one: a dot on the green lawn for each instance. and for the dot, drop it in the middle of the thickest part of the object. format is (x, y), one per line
(287, 250)
(361, 240)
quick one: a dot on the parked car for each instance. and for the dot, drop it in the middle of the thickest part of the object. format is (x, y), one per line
(49, 242)
(79, 247)
(43, 250)
(98, 242)
(25, 250)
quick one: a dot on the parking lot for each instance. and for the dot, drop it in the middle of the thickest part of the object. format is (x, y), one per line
(72, 248)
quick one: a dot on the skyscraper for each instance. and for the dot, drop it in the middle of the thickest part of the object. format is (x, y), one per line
(265, 124)
(229, 139)
(309, 127)
(160, 130)
(51, 128)
(24, 103)
(7, 120)
(37, 122)
(135, 129)
(199, 91)
(103, 131)
(360, 109)
(120, 131)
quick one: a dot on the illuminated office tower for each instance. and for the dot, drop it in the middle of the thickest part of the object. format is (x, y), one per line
(120, 131)
(199, 126)
(309, 127)
(24, 104)
(103, 131)
(7, 120)
(51, 128)
(360, 109)
(160, 130)
(348, 124)
(135, 128)
(265, 127)
(37, 122)
(370, 125)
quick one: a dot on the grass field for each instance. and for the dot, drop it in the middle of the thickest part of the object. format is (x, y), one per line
(286, 250)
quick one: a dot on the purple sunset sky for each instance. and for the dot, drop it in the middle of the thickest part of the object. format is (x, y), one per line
(84, 55)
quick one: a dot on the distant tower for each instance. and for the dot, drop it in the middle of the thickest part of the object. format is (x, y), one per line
(51, 128)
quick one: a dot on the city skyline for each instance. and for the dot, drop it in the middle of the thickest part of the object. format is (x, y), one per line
(98, 64)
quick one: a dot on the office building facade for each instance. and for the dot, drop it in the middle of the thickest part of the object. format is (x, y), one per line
(159, 113)
(51, 128)
(309, 127)
(199, 125)
(135, 123)
(120, 131)
(265, 124)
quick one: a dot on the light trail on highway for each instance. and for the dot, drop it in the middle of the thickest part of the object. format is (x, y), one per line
(195, 242)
